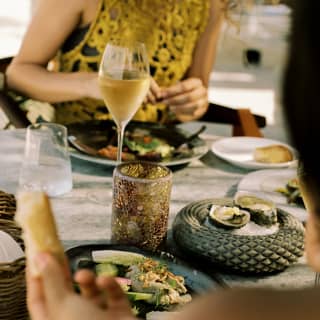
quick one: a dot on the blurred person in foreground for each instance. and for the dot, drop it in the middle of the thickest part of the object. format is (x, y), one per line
(51, 297)
(180, 36)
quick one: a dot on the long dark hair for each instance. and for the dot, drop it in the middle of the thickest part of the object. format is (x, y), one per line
(301, 90)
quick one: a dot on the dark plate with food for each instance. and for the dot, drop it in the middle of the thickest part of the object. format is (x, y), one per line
(153, 282)
(96, 141)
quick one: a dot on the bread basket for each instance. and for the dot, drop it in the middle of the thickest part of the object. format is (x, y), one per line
(12, 275)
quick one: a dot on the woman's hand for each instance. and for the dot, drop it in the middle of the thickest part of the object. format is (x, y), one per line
(154, 94)
(51, 297)
(92, 89)
(188, 99)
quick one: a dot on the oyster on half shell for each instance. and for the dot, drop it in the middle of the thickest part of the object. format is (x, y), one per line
(228, 217)
(263, 212)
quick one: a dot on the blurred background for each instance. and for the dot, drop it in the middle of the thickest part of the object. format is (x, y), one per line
(250, 58)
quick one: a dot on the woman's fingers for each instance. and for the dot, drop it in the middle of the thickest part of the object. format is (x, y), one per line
(199, 112)
(154, 94)
(189, 108)
(155, 90)
(181, 87)
(187, 97)
(150, 98)
(191, 111)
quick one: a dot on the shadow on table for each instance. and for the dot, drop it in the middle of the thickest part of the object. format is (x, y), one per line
(91, 168)
(211, 160)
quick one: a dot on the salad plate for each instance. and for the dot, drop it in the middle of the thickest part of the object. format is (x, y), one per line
(96, 141)
(105, 257)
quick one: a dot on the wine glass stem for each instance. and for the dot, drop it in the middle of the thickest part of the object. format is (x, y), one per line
(120, 129)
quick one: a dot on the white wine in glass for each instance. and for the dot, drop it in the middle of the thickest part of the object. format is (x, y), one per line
(124, 81)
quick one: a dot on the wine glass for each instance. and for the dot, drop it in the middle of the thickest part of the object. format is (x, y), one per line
(124, 81)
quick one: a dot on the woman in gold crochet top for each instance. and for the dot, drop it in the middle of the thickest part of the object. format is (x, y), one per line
(180, 36)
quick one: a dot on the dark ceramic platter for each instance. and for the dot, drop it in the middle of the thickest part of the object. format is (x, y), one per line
(196, 281)
(249, 254)
(88, 137)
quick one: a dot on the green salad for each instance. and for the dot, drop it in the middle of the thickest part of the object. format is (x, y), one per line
(149, 284)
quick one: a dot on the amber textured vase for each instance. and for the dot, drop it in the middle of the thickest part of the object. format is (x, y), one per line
(140, 208)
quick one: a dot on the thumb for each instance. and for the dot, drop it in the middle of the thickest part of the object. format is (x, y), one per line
(53, 279)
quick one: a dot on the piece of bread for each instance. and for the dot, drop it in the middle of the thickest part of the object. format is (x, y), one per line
(275, 153)
(35, 217)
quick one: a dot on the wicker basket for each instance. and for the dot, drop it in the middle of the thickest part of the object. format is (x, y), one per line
(12, 275)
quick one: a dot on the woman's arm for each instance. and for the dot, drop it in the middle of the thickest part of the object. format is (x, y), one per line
(188, 99)
(206, 48)
(52, 23)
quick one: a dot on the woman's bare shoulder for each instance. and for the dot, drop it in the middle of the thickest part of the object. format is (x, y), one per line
(86, 9)
(75, 6)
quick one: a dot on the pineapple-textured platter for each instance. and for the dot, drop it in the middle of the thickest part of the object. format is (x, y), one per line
(271, 241)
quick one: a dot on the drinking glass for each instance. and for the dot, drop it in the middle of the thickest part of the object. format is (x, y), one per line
(140, 206)
(124, 81)
(46, 165)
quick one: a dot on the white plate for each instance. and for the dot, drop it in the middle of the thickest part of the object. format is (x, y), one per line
(266, 182)
(239, 151)
(198, 152)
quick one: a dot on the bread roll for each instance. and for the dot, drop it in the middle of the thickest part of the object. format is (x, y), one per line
(273, 154)
(35, 217)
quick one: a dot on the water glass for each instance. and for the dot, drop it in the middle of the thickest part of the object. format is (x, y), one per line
(46, 165)
(140, 207)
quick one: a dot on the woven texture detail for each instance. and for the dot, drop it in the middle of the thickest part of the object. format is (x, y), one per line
(239, 253)
(12, 275)
(169, 29)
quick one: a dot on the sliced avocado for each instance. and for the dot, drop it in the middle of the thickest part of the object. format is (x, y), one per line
(106, 269)
(124, 258)
(140, 296)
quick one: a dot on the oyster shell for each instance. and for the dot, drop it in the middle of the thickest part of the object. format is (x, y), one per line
(229, 217)
(263, 212)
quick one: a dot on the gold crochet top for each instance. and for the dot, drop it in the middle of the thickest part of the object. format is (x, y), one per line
(169, 29)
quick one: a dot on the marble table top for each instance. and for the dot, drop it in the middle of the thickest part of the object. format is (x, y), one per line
(84, 214)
